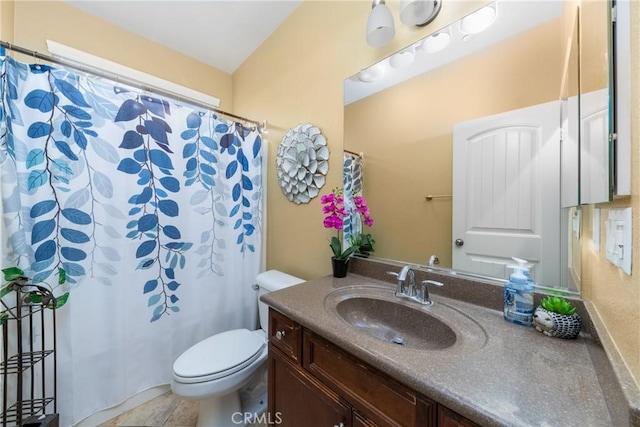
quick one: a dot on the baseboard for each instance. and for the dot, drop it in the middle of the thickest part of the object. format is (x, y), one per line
(140, 398)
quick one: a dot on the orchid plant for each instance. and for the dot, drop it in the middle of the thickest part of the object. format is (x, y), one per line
(335, 212)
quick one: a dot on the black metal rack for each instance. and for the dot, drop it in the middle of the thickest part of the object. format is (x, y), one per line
(24, 333)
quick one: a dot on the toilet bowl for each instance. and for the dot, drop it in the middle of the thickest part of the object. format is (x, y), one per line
(215, 369)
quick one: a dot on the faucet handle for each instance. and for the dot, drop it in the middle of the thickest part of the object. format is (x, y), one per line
(432, 282)
(393, 273)
(423, 295)
(399, 286)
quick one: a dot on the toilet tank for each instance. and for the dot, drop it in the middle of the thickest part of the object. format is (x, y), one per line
(270, 281)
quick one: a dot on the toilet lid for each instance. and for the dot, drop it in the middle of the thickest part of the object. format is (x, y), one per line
(219, 355)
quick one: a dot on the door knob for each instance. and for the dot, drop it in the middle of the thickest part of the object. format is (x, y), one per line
(459, 242)
(280, 334)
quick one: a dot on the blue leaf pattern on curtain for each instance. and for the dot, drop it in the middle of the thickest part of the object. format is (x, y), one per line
(352, 186)
(90, 167)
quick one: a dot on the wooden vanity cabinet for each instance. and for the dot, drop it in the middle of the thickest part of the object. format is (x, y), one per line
(312, 383)
(297, 399)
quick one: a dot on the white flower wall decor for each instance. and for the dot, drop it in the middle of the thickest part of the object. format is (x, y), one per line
(302, 162)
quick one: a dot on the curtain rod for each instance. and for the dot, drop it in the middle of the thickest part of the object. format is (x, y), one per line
(124, 80)
(352, 152)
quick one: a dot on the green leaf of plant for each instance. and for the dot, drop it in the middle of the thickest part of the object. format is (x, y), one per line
(336, 246)
(558, 305)
(62, 299)
(5, 290)
(62, 276)
(35, 298)
(3, 318)
(12, 273)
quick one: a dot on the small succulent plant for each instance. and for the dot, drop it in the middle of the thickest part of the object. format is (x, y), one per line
(558, 305)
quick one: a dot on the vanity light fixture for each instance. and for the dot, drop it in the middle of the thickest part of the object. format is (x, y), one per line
(372, 74)
(435, 42)
(479, 20)
(380, 27)
(419, 12)
(402, 59)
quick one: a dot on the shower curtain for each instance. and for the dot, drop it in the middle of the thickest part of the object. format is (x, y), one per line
(144, 213)
(352, 185)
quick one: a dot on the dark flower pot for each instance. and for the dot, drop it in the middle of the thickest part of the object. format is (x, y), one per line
(339, 267)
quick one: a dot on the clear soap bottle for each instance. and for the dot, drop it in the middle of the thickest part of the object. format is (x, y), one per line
(518, 297)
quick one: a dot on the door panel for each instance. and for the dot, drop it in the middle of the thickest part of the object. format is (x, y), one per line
(506, 193)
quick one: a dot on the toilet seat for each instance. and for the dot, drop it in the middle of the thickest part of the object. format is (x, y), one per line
(218, 356)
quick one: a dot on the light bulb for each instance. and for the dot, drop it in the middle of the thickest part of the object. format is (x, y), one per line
(479, 20)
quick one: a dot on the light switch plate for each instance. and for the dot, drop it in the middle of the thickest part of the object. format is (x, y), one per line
(618, 229)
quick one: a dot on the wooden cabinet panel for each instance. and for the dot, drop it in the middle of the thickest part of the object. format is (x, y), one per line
(296, 399)
(382, 400)
(448, 418)
(285, 334)
(427, 412)
(360, 420)
(313, 383)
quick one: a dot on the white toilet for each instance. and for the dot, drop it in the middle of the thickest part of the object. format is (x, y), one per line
(215, 369)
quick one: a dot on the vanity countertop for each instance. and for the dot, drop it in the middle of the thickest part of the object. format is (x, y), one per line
(518, 378)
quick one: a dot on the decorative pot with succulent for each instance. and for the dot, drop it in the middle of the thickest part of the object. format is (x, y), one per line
(557, 317)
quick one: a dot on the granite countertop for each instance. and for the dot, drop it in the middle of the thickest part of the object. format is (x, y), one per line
(516, 376)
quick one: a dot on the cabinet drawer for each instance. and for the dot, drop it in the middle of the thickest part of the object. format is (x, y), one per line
(382, 400)
(285, 334)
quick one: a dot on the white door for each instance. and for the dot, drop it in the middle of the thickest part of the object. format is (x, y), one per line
(506, 193)
(594, 147)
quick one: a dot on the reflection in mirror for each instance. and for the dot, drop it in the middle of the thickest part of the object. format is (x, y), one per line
(511, 71)
(595, 152)
(570, 114)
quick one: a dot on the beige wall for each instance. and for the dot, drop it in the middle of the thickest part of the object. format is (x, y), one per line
(6, 20)
(36, 21)
(296, 77)
(593, 46)
(405, 133)
(615, 295)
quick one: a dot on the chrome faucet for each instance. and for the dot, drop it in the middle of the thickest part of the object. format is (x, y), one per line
(433, 260)
(402, 277)
(423, 293)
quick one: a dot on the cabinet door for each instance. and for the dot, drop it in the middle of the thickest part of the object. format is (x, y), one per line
(285, 334)
(383, 400)
(296, 399)
(448, 418)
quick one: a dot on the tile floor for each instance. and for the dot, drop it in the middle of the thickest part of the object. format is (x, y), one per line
(166, 410)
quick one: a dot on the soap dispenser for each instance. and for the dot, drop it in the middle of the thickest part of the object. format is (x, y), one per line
(518, 297)
(525, 269)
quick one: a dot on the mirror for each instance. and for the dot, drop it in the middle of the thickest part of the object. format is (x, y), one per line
(596, 156)
(406, 123)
